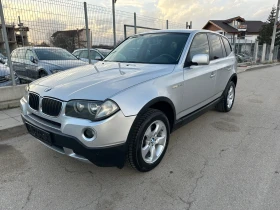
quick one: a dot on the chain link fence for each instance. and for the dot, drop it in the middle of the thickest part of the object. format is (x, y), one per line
(48, 36)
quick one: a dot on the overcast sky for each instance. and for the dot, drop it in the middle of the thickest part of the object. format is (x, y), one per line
(199, 11)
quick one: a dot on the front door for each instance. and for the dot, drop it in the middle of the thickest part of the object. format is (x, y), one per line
(199, 81)
(30, 66)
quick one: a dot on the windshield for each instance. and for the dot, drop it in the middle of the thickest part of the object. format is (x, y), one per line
(160, 48)
(54, 54)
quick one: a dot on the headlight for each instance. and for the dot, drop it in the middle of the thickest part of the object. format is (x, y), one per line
(92, 110)
(56, 71)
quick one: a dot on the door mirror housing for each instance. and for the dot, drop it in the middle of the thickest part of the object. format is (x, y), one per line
(98, 57)
(33, 60)
(201, 59)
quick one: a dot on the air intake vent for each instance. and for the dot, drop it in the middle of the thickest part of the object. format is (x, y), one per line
(34, 101)
(51, 107)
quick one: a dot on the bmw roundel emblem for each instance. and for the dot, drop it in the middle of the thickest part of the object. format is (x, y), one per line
(47, 89)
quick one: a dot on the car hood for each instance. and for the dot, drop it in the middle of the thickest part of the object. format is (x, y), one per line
(4, 70)
(98, 82)
(61, 64)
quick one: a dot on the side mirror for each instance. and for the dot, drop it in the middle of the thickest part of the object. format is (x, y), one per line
(33, 60)
(201, 59)
(98, 57)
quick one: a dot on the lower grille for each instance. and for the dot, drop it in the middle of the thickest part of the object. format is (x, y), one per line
(34, 101)
(51, 107)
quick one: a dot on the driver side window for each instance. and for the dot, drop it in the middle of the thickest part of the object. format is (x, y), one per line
(199, 45)
(28, 54)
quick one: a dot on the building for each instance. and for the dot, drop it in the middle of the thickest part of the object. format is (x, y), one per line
(70, 39)
(237, 28)
(15, 36)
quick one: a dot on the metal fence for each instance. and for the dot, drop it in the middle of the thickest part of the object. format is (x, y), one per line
(66, 24)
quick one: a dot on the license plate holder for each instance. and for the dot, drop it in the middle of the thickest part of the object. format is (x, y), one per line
(40, 134)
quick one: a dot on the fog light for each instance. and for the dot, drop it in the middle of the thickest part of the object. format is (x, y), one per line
(89, 133)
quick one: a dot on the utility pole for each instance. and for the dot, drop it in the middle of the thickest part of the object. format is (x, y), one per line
(274, 32)
(114, 22)
(20, 24)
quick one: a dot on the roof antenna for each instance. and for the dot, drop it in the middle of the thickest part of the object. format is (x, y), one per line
(121, 72)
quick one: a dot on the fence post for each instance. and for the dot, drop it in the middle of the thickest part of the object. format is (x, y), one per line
(166, 24)
(187, 25)
(135, 26)
(256, 50)
(263, 52)
(114, 23)
(87, 32)
(191, 25)
(124, 31)
(5, 37)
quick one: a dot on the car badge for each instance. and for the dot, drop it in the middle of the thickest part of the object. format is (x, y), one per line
(47, 89)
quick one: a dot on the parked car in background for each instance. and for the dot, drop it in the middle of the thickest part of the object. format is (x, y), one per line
(104, 52)
(5, 76)
(3, 58)
(243, 58)
(95, 55)
(126, 106)
(31, 63)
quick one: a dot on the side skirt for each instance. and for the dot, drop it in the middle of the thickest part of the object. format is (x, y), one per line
(190, 117)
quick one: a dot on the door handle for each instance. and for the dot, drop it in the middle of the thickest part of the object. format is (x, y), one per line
(212, 75)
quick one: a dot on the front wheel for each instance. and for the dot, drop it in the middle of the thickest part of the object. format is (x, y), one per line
(150, 137)
(228, 97)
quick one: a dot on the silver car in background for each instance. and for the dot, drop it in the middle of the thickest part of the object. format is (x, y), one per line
(95, 54)
(31, 63)
(125, 107)
(5, 76)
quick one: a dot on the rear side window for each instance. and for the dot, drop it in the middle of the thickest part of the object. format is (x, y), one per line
(199, 46)
(227, 46)
(21, 54)
(14, 54)
(77, 53)
(84, 54)
(216, 47)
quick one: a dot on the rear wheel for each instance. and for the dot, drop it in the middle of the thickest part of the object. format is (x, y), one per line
(226, 104)
(150, 137)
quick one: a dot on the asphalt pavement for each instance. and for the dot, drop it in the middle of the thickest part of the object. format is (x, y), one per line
(218, 161)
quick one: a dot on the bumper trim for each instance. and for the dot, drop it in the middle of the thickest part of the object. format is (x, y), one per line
(70, 146)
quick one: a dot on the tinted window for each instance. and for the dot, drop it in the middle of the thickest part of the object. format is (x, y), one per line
(227, 46)
(216, 47)
(93, 54)
(21, 54)
(28, 54)
(199, 46)
(54, 54)
(158, 48)
(84, 54)
(223, 48)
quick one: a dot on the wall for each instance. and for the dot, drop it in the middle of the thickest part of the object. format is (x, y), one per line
(10, 96)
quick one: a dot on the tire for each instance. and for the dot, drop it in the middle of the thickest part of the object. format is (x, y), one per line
(226, 105)
(42, 74)
(150, 135)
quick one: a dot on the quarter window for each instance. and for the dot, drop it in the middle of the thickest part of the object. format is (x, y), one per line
(216, 47)
(199, 45)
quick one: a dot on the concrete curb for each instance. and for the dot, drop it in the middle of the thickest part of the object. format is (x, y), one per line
(12, 132)
(259, 67)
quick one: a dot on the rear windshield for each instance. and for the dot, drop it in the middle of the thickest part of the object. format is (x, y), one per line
(159, 48)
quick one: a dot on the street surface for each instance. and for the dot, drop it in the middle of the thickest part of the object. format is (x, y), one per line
(217, 162)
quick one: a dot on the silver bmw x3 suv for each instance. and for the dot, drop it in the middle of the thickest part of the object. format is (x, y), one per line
(125, 107)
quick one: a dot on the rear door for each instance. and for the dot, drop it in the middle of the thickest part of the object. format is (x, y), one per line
(18, 60)
(199, 81)
(219, 60)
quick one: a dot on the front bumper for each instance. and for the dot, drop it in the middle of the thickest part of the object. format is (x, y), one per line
(108, 148)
